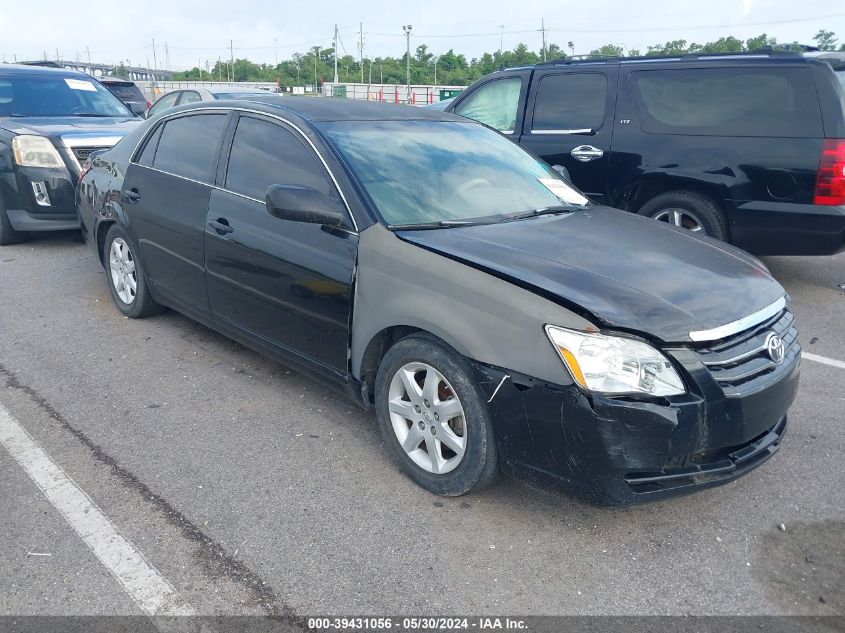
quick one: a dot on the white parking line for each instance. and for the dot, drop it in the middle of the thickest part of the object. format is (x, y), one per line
(145, 585)
(823, 359)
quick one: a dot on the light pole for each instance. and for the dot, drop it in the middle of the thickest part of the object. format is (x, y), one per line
(335, 54)
(276, 50)
(436, 59)
(407, 28)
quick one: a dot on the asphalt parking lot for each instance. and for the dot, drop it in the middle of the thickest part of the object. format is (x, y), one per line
(253, 490)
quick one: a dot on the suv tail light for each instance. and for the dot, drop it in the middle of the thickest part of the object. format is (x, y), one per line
(830, 182)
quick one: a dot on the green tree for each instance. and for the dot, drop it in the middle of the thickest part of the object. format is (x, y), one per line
(317, 65)
(761, 41)
(554, 51)
(608, 50)
(728, 44)
(825, 40)
(675, 47)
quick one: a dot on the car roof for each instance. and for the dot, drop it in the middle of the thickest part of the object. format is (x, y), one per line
(32, 69)
(216, 90)
(116, 81)
(762, 55)
(324, 109)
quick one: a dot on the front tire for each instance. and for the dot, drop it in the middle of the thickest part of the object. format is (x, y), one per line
(126, 279)
(689, 210)
(433, 418)
(9, 235)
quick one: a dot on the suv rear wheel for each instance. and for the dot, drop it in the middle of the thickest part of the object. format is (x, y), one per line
(689, 210)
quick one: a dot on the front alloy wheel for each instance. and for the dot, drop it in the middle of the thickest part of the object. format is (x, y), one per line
(122, 268)
(433, 416)
(427, 418)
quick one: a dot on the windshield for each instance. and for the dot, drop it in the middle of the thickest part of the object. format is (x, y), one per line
(55, 95)
(420, 172)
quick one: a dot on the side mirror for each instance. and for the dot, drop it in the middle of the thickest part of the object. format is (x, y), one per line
(302, 204)
(563, 172)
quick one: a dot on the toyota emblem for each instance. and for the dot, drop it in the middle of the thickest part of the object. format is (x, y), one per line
(775, 347)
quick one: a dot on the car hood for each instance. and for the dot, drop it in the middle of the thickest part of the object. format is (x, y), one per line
(626, 271)
(57, 128)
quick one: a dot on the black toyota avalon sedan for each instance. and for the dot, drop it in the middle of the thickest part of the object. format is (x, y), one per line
(51, 119)
(435, 271)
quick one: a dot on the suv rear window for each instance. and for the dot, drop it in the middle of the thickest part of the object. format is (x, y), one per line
(728, 102)
(126, 92)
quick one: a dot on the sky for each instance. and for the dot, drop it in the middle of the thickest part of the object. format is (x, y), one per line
(200, 30)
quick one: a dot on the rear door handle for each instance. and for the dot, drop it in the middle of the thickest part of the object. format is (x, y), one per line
(586, 153)
(131, 195)
(221, 225)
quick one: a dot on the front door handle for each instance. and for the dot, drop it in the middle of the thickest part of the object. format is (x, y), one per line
(586, 153)
(221, 225)
(131, 195)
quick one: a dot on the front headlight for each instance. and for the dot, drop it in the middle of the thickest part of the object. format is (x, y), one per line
(35, 151)
(615, 364)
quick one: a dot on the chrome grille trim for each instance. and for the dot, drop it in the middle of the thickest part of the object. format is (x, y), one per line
(734, 327)
(741, 364)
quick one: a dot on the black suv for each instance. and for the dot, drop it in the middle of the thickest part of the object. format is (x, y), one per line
(128, 92)
(748, 148)
(51, 120)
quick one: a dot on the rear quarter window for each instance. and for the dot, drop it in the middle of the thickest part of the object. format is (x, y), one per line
(728, 102)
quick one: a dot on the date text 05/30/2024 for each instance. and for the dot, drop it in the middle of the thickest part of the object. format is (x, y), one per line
(415, 624)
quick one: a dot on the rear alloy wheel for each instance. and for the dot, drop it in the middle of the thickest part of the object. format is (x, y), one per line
(688, 210)
(433, 418)
(127, 283)
(680, 218)
(124, 275)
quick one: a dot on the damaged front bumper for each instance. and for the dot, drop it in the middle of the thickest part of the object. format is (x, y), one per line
(619, 451)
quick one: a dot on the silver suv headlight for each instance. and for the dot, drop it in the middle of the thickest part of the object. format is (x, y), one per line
(35, 151)
(615, 364)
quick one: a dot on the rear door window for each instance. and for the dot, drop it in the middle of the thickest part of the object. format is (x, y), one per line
(265, 154)
(189, 96)
(494, 104)
(728, 102)
(188, 145)
(167, 101)
(572, 102)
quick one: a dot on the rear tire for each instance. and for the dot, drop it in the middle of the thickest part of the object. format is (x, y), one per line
(9, 235)
(428, 404)
(690, 210)
(125, 275)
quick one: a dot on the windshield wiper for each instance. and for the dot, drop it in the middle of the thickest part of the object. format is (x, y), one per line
(96, 114)
(439, 224)
(556, 208)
